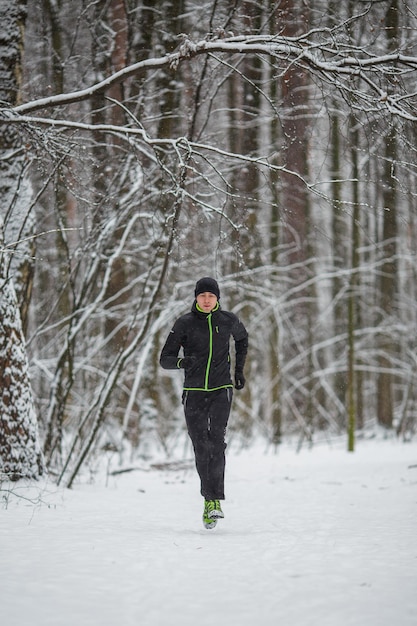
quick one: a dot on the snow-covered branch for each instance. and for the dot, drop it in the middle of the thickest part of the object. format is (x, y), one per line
(328, 59)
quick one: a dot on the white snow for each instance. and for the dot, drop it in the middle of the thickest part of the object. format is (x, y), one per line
(323, 537)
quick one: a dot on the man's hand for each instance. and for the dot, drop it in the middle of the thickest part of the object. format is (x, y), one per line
(240, 380)
(187, 362)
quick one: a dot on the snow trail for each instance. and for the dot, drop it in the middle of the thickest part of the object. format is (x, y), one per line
(323, 537)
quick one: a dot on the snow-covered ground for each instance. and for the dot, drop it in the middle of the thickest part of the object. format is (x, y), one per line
(322, 538)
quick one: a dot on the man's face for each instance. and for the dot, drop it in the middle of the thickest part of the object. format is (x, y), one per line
(206, 301)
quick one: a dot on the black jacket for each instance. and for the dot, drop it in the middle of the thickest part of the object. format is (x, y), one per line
(206, 336)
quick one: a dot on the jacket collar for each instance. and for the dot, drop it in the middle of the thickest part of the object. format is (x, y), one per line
(196, 309)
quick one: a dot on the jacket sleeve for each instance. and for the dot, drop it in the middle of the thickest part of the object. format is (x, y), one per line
(169, 358)
(240, 335)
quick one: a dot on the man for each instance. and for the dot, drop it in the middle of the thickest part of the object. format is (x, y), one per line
(204, 334)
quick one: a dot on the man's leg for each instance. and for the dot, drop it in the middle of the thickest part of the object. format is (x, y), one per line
(219, 412)
(206, 415)
(196, 409)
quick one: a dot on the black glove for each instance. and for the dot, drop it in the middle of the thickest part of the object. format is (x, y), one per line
(187, 362)
(239, 379)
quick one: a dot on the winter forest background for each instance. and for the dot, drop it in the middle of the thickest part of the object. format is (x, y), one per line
(271, 145)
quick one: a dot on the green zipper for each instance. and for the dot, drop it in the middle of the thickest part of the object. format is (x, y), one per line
(210, 356)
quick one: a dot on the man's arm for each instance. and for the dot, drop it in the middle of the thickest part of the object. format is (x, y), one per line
(169, 358)
(241, 347)
(240, 335)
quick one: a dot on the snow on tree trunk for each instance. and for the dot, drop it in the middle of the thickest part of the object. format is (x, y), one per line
(20, 453)
(15, 187)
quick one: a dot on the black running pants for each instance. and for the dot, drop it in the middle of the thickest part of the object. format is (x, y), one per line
(206, 415)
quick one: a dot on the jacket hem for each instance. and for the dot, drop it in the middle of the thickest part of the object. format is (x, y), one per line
(230, 386)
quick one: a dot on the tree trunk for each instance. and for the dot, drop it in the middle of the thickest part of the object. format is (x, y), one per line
(339, 225)
(353, 295)
(274, 370)
(296, 214)
(15, 187)
(388, 282)
(20, 453)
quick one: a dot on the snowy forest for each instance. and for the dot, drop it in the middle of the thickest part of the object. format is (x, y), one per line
(144, 144)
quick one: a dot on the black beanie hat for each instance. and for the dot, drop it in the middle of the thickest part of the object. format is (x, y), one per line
(207, 284)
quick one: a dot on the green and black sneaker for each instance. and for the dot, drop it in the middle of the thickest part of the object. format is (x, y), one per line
(212, 512)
